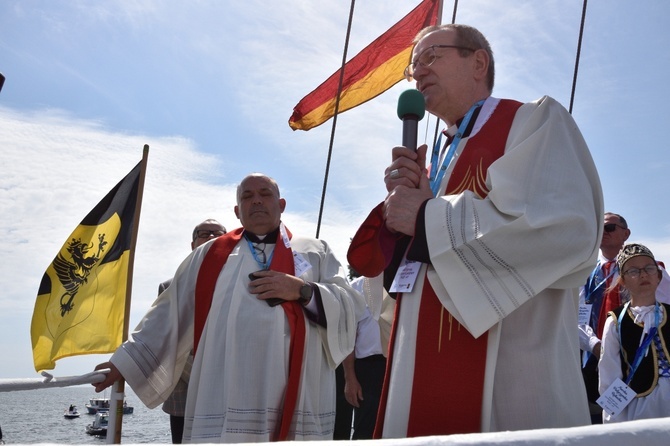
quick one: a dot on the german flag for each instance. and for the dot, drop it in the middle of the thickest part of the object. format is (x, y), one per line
(371, 72)
(81, 300)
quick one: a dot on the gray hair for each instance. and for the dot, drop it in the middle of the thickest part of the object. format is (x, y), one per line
(469, 37)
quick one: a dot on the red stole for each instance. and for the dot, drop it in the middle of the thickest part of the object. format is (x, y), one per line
(449, 363)
(282, 261)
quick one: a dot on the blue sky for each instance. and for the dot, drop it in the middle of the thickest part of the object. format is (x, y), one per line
(210, 85)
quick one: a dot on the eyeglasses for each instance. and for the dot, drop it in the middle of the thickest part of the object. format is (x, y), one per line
(427, 58)
(611, 227)
(259, 250)
(634, 273)
(204, 233)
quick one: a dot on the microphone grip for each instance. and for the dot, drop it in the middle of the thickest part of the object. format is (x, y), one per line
(410, 132)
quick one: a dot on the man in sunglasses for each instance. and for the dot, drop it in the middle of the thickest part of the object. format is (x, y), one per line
(597, 298)
(175, 404)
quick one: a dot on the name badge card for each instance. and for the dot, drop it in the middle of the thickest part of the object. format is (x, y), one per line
(404, 279)
(584, 314)
(301, 265)
(616, 398)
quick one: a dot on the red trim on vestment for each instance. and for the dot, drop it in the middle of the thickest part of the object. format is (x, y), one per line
(282, 261)
(366, 253)
(381, 410)
(449, 364)
(208, 274)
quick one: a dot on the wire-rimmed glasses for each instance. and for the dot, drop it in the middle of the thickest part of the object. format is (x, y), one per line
(428, 57)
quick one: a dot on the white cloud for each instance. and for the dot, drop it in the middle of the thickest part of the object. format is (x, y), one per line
(58, 168)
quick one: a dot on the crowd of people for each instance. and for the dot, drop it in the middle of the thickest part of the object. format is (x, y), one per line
(465, 316)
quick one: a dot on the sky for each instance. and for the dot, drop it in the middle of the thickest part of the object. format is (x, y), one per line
(210, 85)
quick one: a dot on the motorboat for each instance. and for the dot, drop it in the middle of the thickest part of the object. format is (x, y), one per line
(71, 412)
(99, 425)
(96, 405)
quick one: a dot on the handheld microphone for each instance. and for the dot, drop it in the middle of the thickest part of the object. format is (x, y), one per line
(411, 108)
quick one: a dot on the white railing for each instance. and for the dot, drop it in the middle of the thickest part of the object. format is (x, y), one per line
(653, 432)
(48, 381)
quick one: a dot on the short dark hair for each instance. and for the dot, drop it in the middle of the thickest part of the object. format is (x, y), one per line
(622, 221)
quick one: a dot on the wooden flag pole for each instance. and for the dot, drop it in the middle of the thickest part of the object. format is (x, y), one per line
(117, 397)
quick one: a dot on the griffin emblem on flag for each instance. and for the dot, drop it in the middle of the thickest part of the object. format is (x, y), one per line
(74, 272)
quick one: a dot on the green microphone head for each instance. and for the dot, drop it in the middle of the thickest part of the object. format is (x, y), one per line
(411, 104)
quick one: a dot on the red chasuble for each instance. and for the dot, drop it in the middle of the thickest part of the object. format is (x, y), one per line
(282, 261)
(449, 363)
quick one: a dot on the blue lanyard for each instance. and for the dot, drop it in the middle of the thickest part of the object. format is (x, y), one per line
(644, 347)
(589, 292)
(436, 175)
(265, 265)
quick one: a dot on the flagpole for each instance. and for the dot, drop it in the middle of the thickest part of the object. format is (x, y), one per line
(439, 22)
(117, 397)
(337, 107)
(579, 51)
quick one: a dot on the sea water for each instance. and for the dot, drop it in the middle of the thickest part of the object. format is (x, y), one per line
(36, 416)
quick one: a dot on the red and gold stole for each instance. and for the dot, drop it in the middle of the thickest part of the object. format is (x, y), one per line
(450, 364)
(282, 261)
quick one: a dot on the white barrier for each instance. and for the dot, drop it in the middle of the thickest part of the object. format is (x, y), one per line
(12, 385)
(653, 432)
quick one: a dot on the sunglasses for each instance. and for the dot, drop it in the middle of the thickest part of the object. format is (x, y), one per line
(611, 227)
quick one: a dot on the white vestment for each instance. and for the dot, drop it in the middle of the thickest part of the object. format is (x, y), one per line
(510, 264)
(240, 369)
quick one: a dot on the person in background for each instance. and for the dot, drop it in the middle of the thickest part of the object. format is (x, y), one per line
(636, 339)
(175, 404)
(268, 316)
(501, 236)
(598, 297)
(363, 370)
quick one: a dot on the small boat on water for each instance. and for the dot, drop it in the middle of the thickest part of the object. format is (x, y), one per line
(96, 405)
(99, 425)
(71, 412)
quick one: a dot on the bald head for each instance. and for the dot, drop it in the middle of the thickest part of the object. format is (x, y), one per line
(259, 205)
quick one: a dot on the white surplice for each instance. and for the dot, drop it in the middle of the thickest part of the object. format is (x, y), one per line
(240, 369)
(510, 264)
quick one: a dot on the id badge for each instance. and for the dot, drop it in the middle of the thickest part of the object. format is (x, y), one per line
(616, 398)
(585, 314)
(301, 265)
(405, 277)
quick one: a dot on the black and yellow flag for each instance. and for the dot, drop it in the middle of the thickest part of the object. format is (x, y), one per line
(81, 301)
